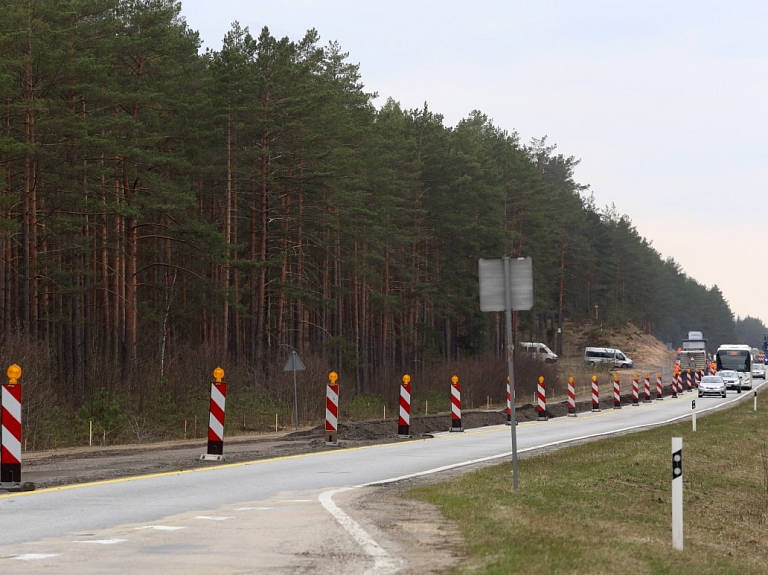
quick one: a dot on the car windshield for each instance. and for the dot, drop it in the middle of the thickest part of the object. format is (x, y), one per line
(728, 373)
(711, 379)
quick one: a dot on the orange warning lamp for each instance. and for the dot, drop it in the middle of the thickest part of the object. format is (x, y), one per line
(333, 376)
(455, 379)
(218, 374)
(406, 379)
(13, 373)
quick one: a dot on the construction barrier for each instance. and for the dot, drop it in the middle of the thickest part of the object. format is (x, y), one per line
(647, 389)
(697, 381)
(595, 394)
(635, 392)
(455, 404)
(688, 386)
(675, 377)
(659, 388)
(509, 403)
(616, 392)
(571, 398)
(332, 410)
(216, 418)
(541, 395)
(10, 436)
(404, 417)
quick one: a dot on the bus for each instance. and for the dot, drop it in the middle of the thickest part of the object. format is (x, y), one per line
(739, 359)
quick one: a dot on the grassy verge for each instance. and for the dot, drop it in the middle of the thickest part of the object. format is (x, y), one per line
(604, 507)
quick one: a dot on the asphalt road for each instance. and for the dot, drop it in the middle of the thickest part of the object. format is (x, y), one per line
(285, 515)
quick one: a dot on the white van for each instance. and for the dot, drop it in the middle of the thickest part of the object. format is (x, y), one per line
(607, 355)
(537, 351)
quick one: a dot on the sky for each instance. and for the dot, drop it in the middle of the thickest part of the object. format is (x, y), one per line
(663, 103)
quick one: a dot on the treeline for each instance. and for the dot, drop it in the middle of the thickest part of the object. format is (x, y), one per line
(156, 202)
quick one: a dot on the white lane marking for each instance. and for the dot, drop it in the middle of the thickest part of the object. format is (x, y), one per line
(383, 562)
(253, 508)
(34, 556)
(161, 527)
(103, 541)
(210, 518)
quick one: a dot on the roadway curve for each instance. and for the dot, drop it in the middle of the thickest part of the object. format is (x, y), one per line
(282, 515)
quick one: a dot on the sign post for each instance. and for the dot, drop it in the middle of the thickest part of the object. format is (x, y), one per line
(295, 364)
(506, 284)
(677, 493)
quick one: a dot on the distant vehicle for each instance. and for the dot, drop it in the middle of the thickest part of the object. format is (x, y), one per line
(712, 385)
(607, 355)
(730, 377)
(538, 351)
(693, 353)
(738, 358)
(758, 369)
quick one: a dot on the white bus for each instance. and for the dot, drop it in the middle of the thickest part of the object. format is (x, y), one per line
(739, 359)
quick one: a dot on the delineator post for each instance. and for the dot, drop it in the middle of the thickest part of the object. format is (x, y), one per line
(10, 434)
(404, 417)
(456, 404)
(635, 392)
(595, 394)
(216, 418)
(332, 410)
(541, 397)
(647, 389)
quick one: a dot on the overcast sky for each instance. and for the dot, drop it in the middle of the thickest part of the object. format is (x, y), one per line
(663, 102)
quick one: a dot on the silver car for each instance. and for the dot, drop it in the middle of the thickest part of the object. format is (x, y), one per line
(712, 385)
(731, 378)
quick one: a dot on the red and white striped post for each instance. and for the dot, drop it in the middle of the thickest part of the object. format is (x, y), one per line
(659, 388)
(455, 404)
(711, 369)
(675, 377)
(595, 394)
(404, 417)
(216, 418)
(697, 375)
(332, 410)
(571, 398)
(688, 385)
(541, 396)
(647, 389)
(10, 436)
(509, 404)
(616, 392)
(635, 391)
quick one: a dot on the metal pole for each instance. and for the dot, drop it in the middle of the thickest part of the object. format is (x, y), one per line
(510, 367)
(295, 397)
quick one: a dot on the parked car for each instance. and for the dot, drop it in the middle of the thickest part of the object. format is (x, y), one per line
(730, 377)
(606, 355)
(758, 369)
(712, 385)
(538, 351)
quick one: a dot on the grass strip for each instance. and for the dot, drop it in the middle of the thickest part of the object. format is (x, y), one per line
(605, 506)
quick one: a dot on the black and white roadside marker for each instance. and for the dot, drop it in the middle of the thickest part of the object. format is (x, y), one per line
(677, 493)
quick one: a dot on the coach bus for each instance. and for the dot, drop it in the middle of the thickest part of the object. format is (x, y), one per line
(739, 359)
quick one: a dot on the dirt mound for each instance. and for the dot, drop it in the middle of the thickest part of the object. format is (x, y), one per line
(648, 352)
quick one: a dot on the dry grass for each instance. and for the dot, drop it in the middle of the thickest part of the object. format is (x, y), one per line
(604, 507)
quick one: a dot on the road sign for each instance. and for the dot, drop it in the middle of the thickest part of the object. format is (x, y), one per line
(492, 284)
(294, 363)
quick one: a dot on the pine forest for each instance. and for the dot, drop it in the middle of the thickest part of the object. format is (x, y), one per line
(165, 210)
